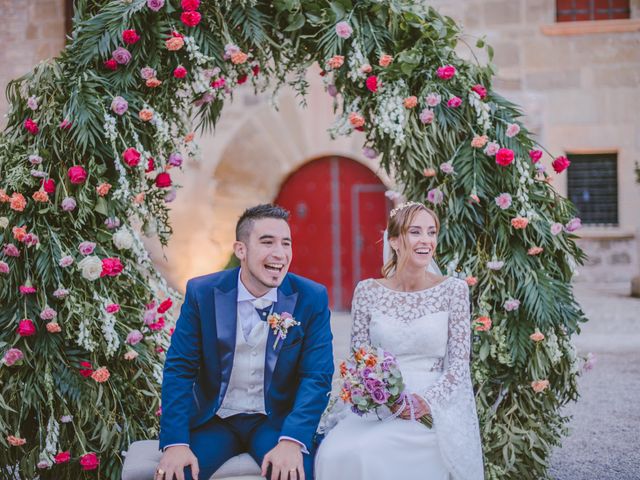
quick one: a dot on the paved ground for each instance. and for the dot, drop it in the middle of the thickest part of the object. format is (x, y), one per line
(605, 430)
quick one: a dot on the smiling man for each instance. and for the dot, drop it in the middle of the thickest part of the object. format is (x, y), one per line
(241, 375)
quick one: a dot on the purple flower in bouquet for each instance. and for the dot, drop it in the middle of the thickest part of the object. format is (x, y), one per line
(380, 395)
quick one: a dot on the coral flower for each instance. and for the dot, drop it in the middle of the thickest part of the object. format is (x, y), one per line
(356, 119)
(101, 375)
(410, 102)
(540, 385)
(17, 202)
(519, 223)
(482, 324)
(385, 60)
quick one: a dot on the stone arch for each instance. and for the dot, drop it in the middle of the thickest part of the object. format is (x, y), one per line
(255, 149)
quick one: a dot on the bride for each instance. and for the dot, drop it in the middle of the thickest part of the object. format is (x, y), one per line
(423, 319)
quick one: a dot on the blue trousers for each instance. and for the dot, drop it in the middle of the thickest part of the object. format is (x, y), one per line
(220, 439)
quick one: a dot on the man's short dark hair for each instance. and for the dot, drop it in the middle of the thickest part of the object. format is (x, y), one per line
(250, 215)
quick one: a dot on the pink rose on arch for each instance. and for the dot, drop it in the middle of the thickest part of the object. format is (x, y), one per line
(535, 155)
(48, 313)
(556, 228)
(134, 337)
(111, 64)
(89, 461)
(454, 102)
(77, 174)
(491, 149)
(433, 99)
(560, 164)
(155, 5)
(165, 305)
(163, 180)
(86, 248)
(446, 72)
(27, 289)
(503, 201)
(111, 267)
(157, 326)
(31, 126)
(343, 30)
(180, 72)
(112, 308)
(12, 356)
(512, 130)
(218, 83)
(119, 105)
(131, 157)
(175, 159)
(130, 37)
(480, 90)
(10, 250)
(427, 116)
(504, 157)
(26, 328)
(147, 73)
(121, 55)
(191, 18)
(4, 267)
(435, 196)
(372, 83)
(573, 225)
(189, 5)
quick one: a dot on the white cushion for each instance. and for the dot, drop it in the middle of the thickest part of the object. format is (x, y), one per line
(142, 460)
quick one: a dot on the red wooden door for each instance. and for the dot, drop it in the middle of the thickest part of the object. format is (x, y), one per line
(338, 213)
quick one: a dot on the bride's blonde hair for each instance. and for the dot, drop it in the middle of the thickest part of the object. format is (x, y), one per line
(398, 225)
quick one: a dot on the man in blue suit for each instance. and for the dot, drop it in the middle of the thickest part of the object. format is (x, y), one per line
(231, 383)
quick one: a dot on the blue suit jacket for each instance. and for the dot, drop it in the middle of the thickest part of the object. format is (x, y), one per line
(297, 376)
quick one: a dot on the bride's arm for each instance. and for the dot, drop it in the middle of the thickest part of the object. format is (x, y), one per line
(361, 316)
(458, 349)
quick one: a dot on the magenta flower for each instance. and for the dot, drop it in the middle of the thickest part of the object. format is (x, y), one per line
(86, 248)
(435, 196)
(12, 356)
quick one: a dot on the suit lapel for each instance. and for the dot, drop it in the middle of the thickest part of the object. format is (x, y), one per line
(287, 299)
(226, 312)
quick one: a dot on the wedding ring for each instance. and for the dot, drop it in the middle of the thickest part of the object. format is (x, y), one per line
(160, 472)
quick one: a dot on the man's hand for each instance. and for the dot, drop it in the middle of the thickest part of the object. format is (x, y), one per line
(173, 461)
(286, 461)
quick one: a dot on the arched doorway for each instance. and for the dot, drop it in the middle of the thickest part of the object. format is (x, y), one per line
(338, 214)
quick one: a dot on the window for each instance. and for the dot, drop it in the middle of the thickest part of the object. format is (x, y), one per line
(593, 187)
(577, 10)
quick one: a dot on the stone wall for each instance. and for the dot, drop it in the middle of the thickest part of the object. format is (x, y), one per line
(32, 31)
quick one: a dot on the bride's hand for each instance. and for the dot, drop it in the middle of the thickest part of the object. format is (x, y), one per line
(420, 408)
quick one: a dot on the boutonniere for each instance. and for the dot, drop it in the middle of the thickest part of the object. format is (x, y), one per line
(280, 323)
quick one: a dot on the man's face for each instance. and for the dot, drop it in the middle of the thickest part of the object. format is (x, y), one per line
(266, 255)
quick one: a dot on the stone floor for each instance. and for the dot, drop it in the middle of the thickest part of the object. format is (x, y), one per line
(605, 430)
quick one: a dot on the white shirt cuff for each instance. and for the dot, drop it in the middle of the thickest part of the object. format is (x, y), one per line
(175, 445)
(303, 448)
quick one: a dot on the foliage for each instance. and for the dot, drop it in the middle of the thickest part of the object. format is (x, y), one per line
(282, 39)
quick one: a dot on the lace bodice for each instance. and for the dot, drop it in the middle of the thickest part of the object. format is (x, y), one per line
(422, 329)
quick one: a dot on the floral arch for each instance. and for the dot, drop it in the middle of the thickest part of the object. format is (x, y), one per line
(86, 163)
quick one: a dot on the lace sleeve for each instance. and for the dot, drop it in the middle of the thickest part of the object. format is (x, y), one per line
(361, 316)
(458, 349)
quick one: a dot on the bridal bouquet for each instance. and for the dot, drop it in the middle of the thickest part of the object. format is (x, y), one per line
(372, 379)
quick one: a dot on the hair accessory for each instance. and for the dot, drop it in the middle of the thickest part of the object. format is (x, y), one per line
(402, 207)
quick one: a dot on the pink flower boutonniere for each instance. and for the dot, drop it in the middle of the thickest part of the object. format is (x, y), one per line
(280, 324)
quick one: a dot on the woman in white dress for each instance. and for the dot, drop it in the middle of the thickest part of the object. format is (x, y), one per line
(423, 319)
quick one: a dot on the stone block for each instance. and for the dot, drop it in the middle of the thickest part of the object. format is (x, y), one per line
(553, 80)
(540, 53)
(539, 11)
(507, 54)
(627, 76)
(505, 12)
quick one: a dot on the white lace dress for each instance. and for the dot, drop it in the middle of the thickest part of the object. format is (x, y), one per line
(429, 333)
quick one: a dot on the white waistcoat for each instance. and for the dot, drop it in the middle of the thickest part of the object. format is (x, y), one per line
(245, 393)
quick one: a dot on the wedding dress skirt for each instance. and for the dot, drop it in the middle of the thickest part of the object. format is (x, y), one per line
(365, 448)
(429, 333)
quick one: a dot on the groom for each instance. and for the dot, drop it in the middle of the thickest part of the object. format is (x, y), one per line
(230, 384)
